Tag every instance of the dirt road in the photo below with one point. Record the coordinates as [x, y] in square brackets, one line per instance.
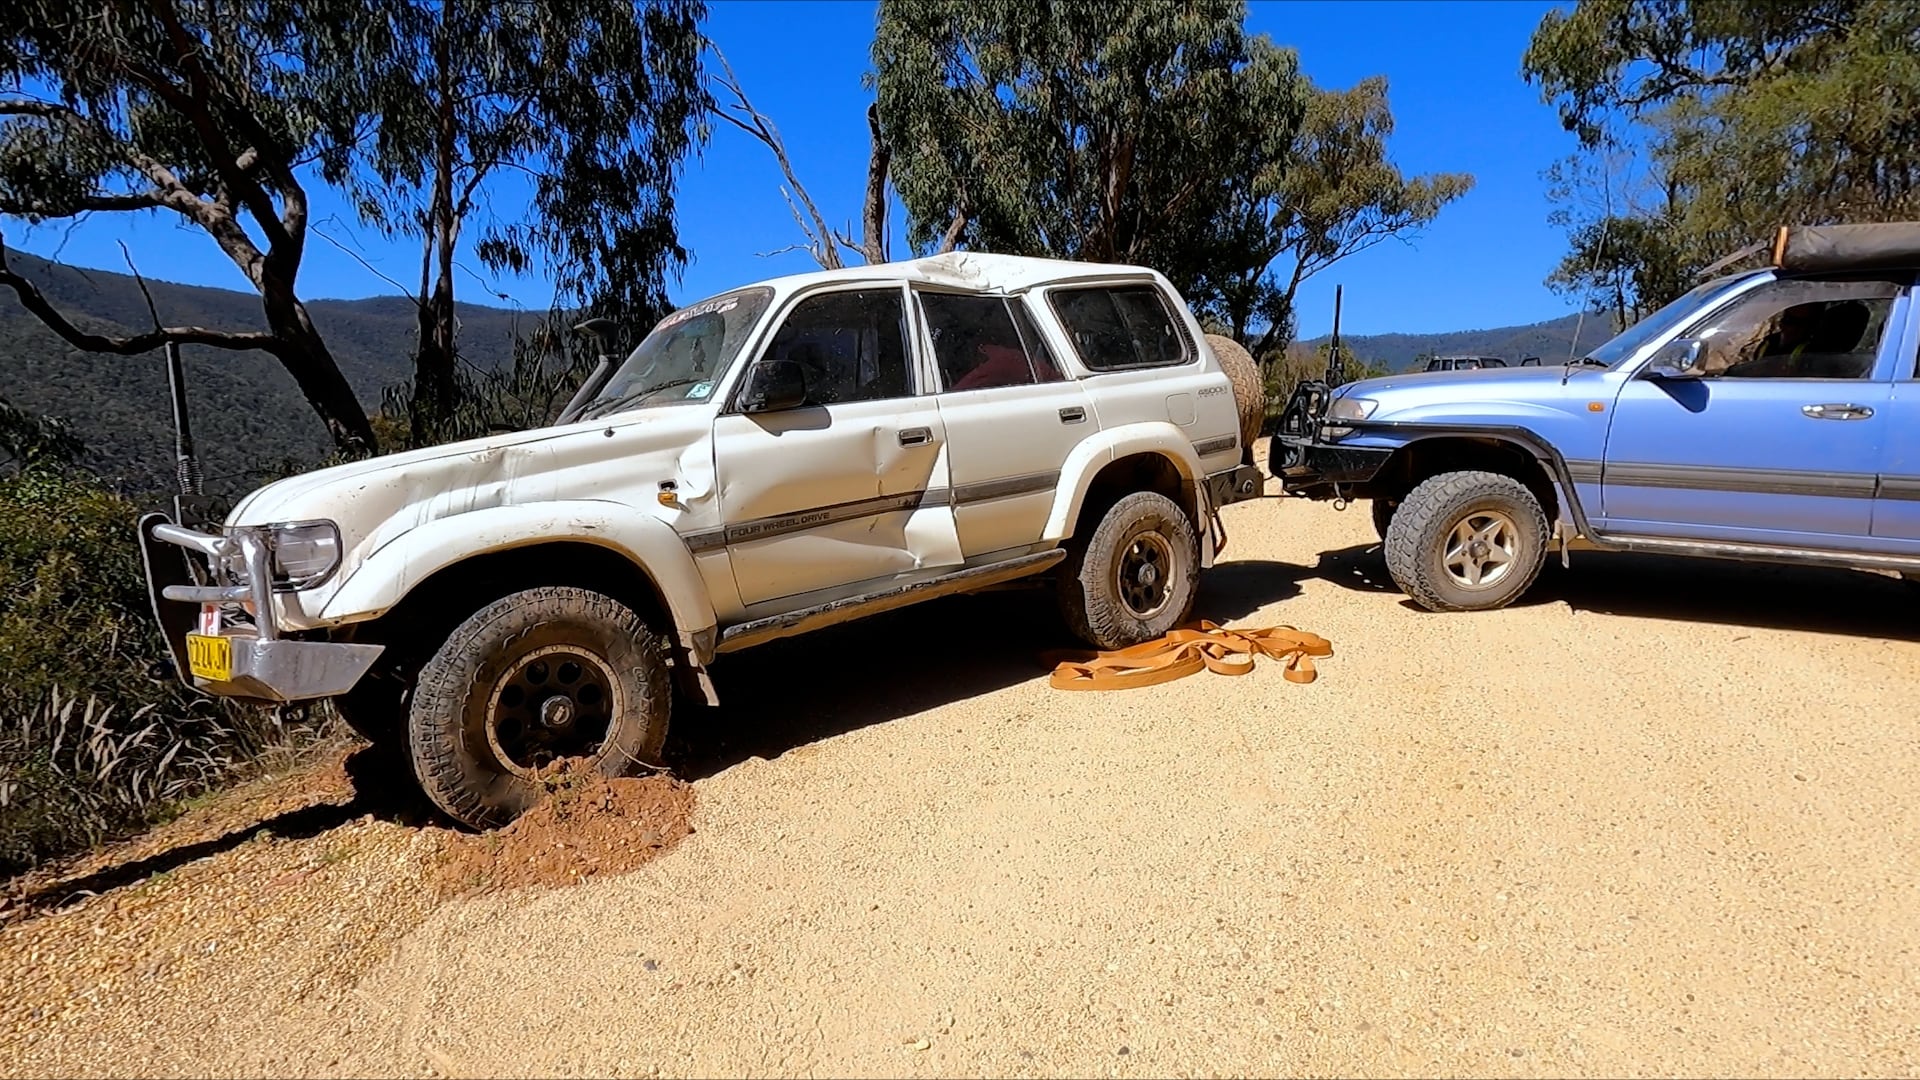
[1658, 819]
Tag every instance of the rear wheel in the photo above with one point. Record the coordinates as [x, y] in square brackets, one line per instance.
[1135, 576]
[535, 679]
[1467, 541]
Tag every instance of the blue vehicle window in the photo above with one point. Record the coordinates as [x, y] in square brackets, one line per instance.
[1628, 341]
[1797, 329]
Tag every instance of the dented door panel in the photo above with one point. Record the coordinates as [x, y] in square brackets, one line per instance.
[825, 496]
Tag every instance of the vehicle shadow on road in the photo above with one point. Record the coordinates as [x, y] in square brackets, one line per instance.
[1718, 591]
[376, 786]
[790, 693]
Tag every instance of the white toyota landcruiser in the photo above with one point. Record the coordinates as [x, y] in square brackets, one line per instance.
[766, 462]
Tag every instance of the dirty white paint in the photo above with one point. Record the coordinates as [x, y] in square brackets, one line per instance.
[758, 492]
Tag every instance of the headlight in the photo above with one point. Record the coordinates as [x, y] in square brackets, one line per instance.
[1351, 408]
[301, 554]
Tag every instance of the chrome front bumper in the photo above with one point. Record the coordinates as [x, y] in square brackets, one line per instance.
[266, 666]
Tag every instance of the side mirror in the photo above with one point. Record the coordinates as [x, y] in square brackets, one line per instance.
[774, 386]
[1678, 359]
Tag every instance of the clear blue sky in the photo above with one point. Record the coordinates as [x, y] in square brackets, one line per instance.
[1454, 83]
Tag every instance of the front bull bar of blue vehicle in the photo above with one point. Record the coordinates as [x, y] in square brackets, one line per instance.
[188, 571]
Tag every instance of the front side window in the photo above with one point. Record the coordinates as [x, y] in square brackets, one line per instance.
[975, 342]
[849, 345]
[1116, 327]
[685, 355]
[1794, 329]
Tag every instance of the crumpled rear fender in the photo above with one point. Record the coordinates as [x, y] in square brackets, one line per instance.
[389, 574]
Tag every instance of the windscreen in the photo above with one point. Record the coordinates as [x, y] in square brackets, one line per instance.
[685, 355]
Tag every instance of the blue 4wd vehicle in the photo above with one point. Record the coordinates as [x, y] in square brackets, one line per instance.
[1770, 415]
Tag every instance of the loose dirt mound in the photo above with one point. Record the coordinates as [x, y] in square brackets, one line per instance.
[590, 825]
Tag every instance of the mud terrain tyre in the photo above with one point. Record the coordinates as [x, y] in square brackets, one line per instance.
[1249, 391]
[1467, 541]
[1134, 577]
[528, 681]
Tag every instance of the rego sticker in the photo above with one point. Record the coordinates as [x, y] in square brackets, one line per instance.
[699, 389]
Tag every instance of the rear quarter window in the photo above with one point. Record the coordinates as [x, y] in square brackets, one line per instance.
[1118, 327]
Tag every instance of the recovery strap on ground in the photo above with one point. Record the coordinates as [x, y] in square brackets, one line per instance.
[1182, 652]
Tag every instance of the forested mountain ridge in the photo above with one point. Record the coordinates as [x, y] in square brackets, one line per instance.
[245, 409]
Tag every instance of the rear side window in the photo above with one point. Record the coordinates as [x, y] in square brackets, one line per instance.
[1121, 326]
[975, 342]
[1045, 367]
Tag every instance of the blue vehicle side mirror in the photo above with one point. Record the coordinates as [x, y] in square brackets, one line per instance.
[1677, 359]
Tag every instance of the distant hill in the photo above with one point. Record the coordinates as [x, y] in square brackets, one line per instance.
[245, 409]
[1549, 340]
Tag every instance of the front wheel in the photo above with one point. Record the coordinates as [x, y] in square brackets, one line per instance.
[1135, 577]
[531, 680]
[1467, 541]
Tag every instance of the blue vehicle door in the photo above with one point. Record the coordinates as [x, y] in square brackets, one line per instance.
[1896, 513]
[1774, 433]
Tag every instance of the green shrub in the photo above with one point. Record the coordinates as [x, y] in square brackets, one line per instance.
[92, 744]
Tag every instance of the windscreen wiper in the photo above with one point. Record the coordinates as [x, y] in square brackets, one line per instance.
[605, 407]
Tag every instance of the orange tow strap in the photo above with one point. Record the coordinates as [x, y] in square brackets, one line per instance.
[1187, 650]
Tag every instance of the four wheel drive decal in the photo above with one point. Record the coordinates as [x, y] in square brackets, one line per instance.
[761, 528]
[1215, 446]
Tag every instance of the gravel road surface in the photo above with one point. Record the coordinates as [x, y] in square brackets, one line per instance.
[1657, 819]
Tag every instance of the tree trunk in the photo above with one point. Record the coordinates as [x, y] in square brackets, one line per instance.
[303, 352]
[434, 388]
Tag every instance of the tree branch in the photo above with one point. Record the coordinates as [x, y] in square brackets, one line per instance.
[757, 125]
[954, 232]
[153, 310]
[37, 304]
[370, 268]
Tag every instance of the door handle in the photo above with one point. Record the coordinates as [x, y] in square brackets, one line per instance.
[1072, 414]
[914, 436]
[1837, 411]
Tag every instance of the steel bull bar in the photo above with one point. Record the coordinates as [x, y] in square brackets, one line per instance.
[189, 572]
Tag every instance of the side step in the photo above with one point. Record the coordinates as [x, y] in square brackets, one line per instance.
[1727, 549]
[760, 631]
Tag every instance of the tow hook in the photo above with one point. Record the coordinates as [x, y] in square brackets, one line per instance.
[1340, 501]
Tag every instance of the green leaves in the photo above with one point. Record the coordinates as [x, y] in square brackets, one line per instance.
[1754, 115]
[1151, 134]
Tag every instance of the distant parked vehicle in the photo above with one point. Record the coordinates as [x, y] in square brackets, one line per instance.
[1766, 415]
[1464, 363]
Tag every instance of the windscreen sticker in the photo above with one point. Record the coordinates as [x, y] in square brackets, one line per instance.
[699, 389]
[710, 307]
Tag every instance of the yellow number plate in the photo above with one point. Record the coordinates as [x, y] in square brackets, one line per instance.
[210, 657]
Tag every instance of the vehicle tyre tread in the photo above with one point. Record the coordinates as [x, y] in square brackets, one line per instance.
[447, 681]
[1087, 603]
[1438, 502]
